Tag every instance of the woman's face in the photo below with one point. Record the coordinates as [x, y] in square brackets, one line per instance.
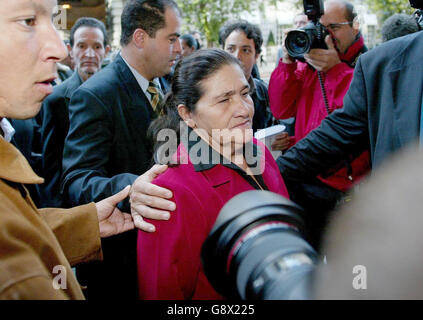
[225, 111]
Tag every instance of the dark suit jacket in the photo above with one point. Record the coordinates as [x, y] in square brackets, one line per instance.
[382, 107]
[27, 139]
[54, 128]
[107, 149]
[262, 114]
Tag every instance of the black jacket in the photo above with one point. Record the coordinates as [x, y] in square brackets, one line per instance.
[54, 128]
[106, 149]
[381, 109]
[28, 140]
[262, 114]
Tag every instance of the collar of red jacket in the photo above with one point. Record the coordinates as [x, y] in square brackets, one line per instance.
[354, 51]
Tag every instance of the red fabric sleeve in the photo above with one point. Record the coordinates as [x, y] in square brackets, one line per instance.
[285, 86]
[337, 82]
[169, 259]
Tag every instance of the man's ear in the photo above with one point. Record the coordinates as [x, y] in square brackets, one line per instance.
[356, 25]
[139, 38]
[257, 57]
[107, 49]
[69, 49]
[186, 115]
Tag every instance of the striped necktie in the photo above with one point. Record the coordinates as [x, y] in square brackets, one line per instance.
[156, 96]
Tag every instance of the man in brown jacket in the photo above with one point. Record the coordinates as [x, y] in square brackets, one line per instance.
[38, 247]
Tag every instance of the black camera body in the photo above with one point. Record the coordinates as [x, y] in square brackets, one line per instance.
[300, 41]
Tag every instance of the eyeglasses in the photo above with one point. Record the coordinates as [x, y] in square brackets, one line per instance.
[336, 26]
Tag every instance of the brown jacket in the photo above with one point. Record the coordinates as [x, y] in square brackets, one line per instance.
[33, 242]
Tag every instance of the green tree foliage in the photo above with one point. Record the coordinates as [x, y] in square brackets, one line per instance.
[271, 39]
[207, 16]
[382, 8]
[386, 8]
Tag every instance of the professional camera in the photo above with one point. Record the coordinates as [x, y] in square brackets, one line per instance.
[300, 41]
[257, 250]
[418, 4]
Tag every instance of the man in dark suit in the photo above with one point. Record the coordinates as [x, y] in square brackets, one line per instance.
[382, 108]
[107, 145]
[88, 47]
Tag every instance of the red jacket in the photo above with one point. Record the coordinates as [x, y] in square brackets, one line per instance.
[169, 264]
[294, 91]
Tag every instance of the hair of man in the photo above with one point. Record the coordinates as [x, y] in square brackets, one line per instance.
[88, 22]
[189, 40]
[250, 30]
[148, 15]
[398, 25]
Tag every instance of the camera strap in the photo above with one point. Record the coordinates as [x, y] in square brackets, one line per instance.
[320, 75]
[322, 87]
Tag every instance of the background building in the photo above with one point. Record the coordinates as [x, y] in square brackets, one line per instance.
[81, 8]
[273, 20]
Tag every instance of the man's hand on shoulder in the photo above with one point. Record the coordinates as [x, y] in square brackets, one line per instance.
[150, 201]
[324, 59]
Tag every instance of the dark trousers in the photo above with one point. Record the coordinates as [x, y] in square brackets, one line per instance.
[318, 201]
[116, 276]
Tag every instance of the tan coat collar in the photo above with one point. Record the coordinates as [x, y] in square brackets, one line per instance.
[14, 167]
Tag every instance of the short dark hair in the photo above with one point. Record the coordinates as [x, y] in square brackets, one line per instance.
[193, 33]
[148, 15]
[398, 25]
[88, 22]
[350, 13]
[190, 41]
[186, 88]
[251, 31]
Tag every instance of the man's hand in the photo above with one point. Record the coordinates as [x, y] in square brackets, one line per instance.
[281, 142]
[322, 59]
[111, 220]
[149, 201]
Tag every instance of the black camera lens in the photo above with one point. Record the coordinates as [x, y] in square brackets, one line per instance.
[298, 43]
[257, 249]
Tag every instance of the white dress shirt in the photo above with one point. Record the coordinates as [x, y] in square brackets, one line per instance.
[143, 82]
[7, 129]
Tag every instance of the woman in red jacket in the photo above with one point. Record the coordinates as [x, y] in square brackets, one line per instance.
[207, 122]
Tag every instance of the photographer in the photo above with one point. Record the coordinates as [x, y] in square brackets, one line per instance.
[295, 90]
